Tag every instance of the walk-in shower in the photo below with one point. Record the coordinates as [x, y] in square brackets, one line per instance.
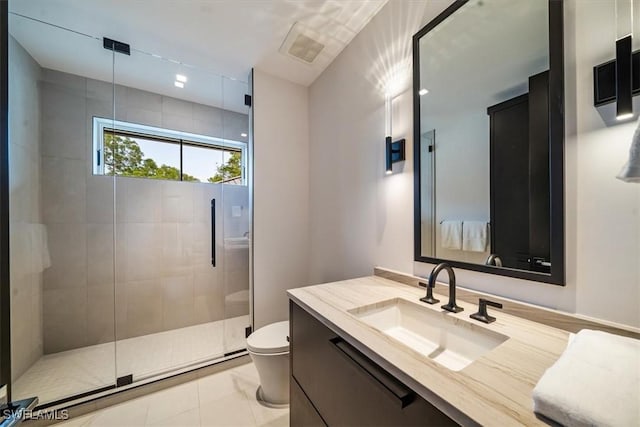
[130, 213]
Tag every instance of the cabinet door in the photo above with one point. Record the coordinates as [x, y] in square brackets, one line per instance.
[302, 413]
[509, 186]
[346, 387]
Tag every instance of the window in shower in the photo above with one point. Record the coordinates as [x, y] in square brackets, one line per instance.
[140, 151]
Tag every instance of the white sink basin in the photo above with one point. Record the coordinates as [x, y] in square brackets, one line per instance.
[450, 341]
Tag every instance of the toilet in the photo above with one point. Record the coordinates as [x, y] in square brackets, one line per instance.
[269, 350]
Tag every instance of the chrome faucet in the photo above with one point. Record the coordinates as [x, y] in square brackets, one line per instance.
[451, 305]
[494, 260]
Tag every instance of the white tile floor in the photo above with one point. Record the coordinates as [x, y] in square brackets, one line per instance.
[59, 375]
[227, 398]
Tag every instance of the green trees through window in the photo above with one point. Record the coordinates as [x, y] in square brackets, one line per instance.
[229, 171]
[123, 156]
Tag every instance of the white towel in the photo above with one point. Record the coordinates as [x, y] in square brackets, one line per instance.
[40, 257]
[451, 237]
[596, 382]
[474, 236]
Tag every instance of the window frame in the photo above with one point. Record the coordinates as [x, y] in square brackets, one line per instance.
[100, 125]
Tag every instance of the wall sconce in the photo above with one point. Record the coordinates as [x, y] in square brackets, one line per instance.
[613, 80]
[624, 58]
[624, 98]
[394, 150]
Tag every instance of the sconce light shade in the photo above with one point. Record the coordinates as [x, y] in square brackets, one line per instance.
[624, 100]
[631, 170]
[395, 152]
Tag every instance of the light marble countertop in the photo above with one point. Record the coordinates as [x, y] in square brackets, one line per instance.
[493, 390]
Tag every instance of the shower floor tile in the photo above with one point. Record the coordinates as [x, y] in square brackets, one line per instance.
[68, 373]
[227, 398]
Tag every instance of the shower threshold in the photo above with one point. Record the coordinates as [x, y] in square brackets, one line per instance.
[81, 372]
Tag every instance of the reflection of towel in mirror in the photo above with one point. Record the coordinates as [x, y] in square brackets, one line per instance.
[595, 382]
[474, 236]
[451, 235]
[39, 248]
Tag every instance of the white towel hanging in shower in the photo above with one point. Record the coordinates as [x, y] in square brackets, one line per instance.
[474, 236]
[451, 232]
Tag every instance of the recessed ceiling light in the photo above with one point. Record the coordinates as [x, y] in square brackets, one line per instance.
[244, 135]
[423, 91]
[181, 78]
[178, 84]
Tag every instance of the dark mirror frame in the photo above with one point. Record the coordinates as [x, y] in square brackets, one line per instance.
[556, 151]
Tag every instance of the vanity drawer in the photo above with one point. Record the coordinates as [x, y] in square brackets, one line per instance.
[302, 413]
[345, 386]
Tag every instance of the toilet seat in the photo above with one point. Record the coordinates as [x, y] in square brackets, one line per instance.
[270, 339]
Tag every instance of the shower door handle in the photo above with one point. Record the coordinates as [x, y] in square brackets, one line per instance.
[213, 232]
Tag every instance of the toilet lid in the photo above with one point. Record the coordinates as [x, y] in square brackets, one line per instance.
[270, 339]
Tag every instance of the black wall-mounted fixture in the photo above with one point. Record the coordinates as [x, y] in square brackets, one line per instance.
[116, 46]
[604, 80]
[618, 80]
[394, 152]
[624, 101]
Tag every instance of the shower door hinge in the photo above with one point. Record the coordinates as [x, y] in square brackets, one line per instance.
[247, 331]
[116, 46]
[247, 100]
[124, 380]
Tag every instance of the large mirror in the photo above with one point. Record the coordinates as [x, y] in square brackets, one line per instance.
[488, 138]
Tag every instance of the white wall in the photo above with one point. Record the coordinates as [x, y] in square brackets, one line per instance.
[605, 211]
[281, 194]
[361, 218]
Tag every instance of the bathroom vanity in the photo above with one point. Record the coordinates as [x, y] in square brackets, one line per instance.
[333, 381]
[348, 367]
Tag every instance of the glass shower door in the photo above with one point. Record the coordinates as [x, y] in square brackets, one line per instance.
[172, 217]
[237, 215]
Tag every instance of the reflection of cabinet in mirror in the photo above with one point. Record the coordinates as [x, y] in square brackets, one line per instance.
[519, 171]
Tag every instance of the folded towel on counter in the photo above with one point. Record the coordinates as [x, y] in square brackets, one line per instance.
[451, 235]
[595, 382]
[474, 236]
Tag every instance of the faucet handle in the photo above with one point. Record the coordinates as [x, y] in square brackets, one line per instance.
[429, 299]
[482, 314]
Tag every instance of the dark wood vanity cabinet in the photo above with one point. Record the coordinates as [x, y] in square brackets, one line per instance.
[334, 384]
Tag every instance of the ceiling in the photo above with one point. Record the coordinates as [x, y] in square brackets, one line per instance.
[483, 54]
[226, 37]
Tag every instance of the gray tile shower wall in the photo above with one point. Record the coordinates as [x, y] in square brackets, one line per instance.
[157, 251]
[27, 255]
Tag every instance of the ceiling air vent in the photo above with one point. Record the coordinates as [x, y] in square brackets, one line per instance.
[305, 48]
[300, 44]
